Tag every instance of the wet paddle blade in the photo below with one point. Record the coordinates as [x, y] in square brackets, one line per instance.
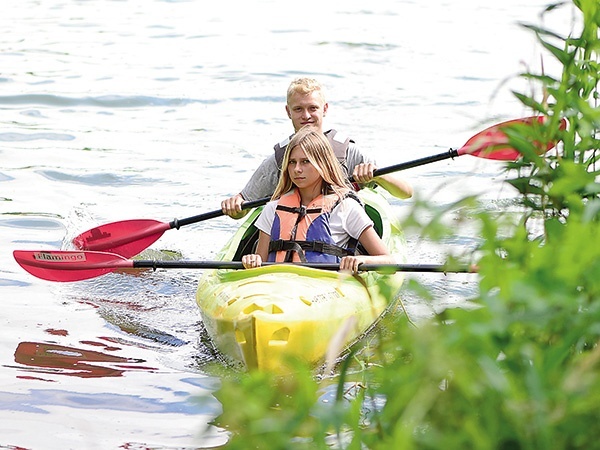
[493, 143]
[126, 238]
[56, 265]
[131, 237]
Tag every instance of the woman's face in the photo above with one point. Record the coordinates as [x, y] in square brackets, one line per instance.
[301, 171]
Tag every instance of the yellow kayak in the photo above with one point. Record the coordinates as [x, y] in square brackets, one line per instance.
[264, 317]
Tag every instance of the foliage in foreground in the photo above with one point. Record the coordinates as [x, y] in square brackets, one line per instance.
[521, 371]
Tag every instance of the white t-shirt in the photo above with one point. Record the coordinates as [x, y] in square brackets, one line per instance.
[348, 219]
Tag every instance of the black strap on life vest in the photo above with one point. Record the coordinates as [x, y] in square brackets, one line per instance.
[302, 212]
[300, 247]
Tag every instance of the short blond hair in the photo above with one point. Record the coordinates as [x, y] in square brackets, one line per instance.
[305, 86]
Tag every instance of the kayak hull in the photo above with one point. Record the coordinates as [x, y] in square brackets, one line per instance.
[264, 318]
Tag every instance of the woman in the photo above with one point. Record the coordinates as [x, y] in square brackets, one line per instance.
[313, 215]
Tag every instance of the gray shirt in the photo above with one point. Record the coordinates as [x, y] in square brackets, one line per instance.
[264, 180]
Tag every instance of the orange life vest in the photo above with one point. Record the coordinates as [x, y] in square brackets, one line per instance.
[302, 233]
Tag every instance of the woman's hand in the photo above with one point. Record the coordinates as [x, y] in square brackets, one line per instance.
[251, 261]
[351, 263]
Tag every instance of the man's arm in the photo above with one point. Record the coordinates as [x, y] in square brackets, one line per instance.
[395, 185]
[263, 180]
[261, 184]
[362, 166]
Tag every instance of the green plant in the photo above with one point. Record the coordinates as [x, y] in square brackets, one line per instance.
[519, 371]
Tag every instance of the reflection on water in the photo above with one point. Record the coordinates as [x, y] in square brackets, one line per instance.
[51, 358]
[43, 400]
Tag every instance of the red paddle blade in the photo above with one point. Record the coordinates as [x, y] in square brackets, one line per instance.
[126, 238]
[57, 265]
[492, 143]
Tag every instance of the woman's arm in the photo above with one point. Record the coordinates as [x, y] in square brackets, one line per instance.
[262, 252]
[378, 253]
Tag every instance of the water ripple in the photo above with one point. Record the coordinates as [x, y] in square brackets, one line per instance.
[31, 223]
[95, 179]
[105, 101]
[10, 282]
[20, 137]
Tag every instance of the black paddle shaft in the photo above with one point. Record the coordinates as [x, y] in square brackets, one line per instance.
[148, 264]
[176, 223]
[452, 153]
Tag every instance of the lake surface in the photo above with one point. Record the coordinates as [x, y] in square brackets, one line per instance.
[159, 109]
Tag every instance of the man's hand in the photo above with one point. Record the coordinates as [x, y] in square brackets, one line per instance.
[363, 173]
[232, 207]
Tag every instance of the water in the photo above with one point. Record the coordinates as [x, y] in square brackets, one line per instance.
[159, 109]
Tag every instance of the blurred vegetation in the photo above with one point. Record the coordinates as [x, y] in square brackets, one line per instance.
[521, 370]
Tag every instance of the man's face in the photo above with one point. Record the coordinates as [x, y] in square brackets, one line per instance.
[306, 109]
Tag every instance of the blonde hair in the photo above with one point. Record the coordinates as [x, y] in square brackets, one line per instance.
[305, 86]
[318, 151]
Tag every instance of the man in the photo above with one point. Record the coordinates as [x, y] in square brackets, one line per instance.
[306, 105]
